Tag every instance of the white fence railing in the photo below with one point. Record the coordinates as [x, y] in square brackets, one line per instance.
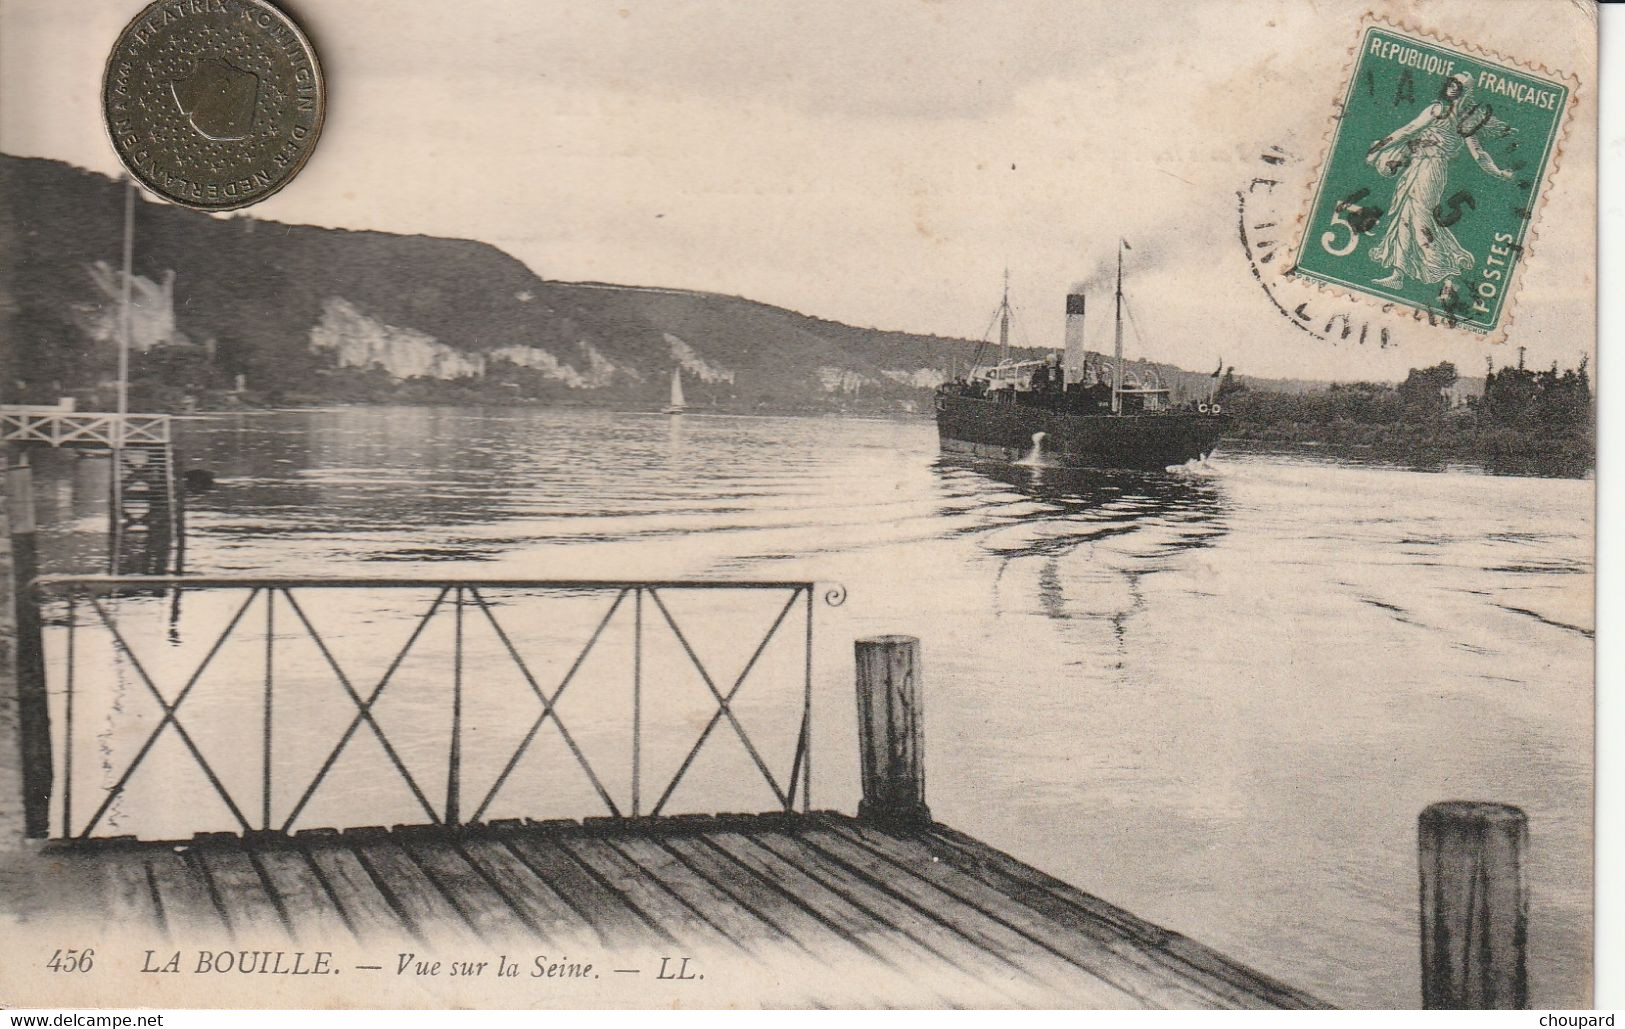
[88, 428]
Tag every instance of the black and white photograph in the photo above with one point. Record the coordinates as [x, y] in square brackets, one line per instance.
[704, 504]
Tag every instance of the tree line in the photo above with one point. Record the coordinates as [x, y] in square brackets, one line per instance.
[1523, 422]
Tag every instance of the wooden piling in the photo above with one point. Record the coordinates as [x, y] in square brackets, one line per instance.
[889, 730]
[33, 712]
[1474, 905]
[11, 793]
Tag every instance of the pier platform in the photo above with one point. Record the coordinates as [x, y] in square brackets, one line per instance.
[923, 900]
[796, 907]
[146, 520]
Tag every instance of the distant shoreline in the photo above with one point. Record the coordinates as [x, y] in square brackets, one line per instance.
[1413, 454]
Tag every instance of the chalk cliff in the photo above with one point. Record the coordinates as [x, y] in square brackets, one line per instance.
[315, 314]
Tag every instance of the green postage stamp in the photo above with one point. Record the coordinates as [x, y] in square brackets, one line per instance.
[1436, 166]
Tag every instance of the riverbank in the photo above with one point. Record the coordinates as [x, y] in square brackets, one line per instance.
[1522, 422]
[1570, 456]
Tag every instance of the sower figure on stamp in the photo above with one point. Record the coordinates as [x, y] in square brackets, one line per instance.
[1418, 241]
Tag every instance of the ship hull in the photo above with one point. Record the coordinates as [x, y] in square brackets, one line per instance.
[1004, 431]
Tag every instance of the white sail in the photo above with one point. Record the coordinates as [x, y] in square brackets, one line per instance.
[677, 401]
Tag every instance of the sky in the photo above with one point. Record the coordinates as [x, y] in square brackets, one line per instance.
[877, 164]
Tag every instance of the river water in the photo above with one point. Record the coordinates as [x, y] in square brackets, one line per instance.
[1218, 698]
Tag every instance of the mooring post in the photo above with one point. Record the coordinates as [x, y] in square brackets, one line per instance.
[1474, 905]
[12, 824]
[28, 663]
[889, 730]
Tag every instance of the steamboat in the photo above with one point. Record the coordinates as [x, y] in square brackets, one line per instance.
[1076, 412]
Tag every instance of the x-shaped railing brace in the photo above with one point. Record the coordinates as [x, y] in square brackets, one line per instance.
[549, 705]
[169, 717]
[364, 710]
[723, 703]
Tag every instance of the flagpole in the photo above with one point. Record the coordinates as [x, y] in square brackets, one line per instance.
[117, 499]
[124, 310]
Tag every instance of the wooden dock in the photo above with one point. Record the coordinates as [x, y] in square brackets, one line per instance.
[894, 907]
[907, 910]
[145, 514]
[924, 901]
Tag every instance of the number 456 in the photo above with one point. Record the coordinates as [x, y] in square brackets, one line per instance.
[72, 960]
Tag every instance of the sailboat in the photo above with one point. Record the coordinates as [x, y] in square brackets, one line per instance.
[678, 405]
[1072, 412]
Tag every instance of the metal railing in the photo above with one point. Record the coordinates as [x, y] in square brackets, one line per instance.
[282, 618]
[85, 429]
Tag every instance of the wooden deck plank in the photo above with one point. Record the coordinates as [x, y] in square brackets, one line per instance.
[997, 973]
[183, 894]
[849, 921]
[1191, 960]
[127, 895]
[482, 903]
[654, 901]
[935, 916]
[1068, 979]
[839, 912]
[1097, 952]
[617, 922]
[412, 893]
[736, 921]
[896, 914]
[1100, 948]
[551, 915]
[250, 907]
[763, 898]
[369, 912]
[813, 935]
[313, 914]
[105, 882]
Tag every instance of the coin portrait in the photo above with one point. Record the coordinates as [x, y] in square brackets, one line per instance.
[213, 104]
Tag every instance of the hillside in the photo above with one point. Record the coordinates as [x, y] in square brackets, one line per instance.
[296, 313]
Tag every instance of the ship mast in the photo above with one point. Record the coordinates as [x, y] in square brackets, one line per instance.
[1117, 353]
[1004, 321]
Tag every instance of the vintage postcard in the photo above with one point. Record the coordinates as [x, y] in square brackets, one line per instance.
[689, 504]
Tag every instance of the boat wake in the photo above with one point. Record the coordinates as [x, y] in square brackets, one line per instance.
[1035, 457]
[1195, 468]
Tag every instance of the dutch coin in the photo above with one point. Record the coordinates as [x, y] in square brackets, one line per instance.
[213, 104]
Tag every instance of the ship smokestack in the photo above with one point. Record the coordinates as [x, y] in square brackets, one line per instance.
[1074, 359]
